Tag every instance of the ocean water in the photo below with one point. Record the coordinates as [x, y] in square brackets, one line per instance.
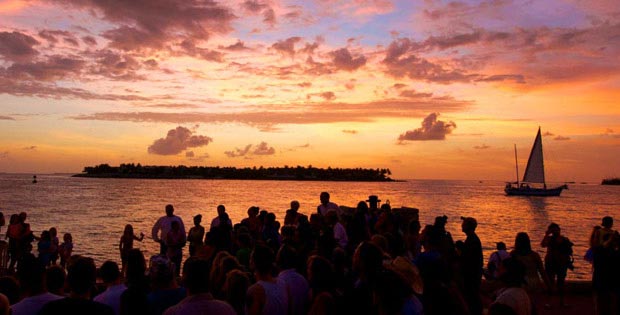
[95, 211]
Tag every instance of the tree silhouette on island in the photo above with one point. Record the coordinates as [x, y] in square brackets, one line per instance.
[132, 170]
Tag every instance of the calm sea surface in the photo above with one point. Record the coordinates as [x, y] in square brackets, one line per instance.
[95, 211]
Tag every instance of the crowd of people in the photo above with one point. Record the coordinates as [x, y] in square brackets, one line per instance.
[367, 260]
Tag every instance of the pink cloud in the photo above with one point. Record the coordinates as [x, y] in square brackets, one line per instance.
[287, 46]
[238, 152]
[207, 54]
[264, 149]
[18, 47]
[343, 60]
[176, 141]
[238, 46]
[150, 24]
[53, 68]
[432, 129]
[260, 149]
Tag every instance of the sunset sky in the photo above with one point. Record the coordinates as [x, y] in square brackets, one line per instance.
[429, 89]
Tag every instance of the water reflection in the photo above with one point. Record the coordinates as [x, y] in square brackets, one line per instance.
[96, 210]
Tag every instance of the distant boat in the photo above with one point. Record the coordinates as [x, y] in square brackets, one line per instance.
[611, 181]
[34, 179]
[534, 174]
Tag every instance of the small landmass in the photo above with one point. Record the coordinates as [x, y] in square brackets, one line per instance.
[251, 173]
[611, 181]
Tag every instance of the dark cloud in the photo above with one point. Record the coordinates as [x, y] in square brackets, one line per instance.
[432, 129]
[199, 158]
[260, 149]
[305, 84]
[206, 54]
[6, 118]
[238, 46]
[548, 134]
[401, 61]
[116, 66]
[517, 78]
[269, 17]
[350, 131]
[176, 141]
[481, 147]
[412, 94]
[30, 148]
[343, 60]
[89, 40]
[4, 154]
[156, 22]
[53, 68]
[264, 149]
[238, 152]
[254, 7]
[45, 90]
[287, 46]
[52, 37]
[561, 138]
[328, 96]
[189, 154]
[18, 47]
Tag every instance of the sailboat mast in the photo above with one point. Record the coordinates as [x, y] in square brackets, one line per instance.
[516, 164]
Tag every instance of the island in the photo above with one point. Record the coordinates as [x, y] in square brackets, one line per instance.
[611, 181]
[132, 170]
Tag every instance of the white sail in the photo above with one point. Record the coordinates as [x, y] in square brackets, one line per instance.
[535, 170]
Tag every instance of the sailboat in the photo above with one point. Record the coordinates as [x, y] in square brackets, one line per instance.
[534, 174]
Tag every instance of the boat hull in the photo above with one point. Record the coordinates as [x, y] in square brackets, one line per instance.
[529, 191]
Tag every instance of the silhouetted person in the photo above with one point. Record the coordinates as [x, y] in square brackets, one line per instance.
[266, 296]
[163, 226]
[292, 214]
[220, 218]
[326, 205]
[30, 273]
[195, 235]
[198, 300]
[175, 240]
[296, 285]
[235, 287]
[111, 276]
[471, 265]
[534, 268]
[253, 223]
[496, 259]
[55, 277]
[165, 291]
[81, 279]
[5, 307]
[125, 244]
[511, 274]
[133, 300]
[322, 287]
[558, 258]
[373, 202]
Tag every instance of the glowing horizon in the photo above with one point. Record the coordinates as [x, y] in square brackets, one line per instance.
[429, 89]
